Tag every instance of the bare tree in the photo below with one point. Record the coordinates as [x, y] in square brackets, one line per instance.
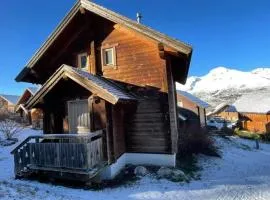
[10, 128]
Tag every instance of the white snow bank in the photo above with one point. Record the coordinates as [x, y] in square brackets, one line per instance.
[242, 173]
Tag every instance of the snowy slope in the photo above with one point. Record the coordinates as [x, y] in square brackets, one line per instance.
[242, 173]
[222, 78]
[224, 85]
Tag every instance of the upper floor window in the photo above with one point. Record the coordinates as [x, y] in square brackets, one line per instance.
[83, 60]
[179, 103]
[108, 57]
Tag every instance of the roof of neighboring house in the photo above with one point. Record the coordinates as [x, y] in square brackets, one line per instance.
[194, 99]
[219, 108]
[33, 90]
[114, 17]
[100, 86]
[10, 98]
[257, 102]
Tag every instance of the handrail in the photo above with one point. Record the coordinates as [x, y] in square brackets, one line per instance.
[57, 136]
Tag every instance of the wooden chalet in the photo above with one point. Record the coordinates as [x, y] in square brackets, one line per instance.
[225, 111]
[108, 96]
[192, 110]
[8, 102]
[254, 112]
[33, 116]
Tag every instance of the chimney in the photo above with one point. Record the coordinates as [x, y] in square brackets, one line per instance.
[139, 17]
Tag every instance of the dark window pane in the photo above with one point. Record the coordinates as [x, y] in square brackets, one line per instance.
[83, 61]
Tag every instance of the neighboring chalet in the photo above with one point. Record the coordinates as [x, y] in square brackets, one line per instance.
[225, 111]
[108, 96]
[192, 110]
[8, 102]
[33, 116]
[254, 112]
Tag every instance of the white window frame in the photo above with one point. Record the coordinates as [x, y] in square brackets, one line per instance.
[103, 57]
[79, 60]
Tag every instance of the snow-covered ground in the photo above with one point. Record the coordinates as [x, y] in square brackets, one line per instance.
[242, 173]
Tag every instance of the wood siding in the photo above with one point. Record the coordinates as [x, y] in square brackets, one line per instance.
[137, 60]
[259, 123]
[231, 116]
[148, 128]
[118, 131]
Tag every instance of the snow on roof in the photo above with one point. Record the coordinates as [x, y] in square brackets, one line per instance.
[105, 84]
[256, 102]
[33, 90]
[194, 99]
[10, 98]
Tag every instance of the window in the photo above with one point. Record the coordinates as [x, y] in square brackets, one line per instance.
[83, 60]
[180, 103]
[108, 57]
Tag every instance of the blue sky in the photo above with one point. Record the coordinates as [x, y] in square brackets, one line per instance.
[232, 33]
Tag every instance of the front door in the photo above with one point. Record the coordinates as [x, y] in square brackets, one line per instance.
[78, 115]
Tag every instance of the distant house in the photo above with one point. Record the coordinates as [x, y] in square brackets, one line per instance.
[191, 108]
[254, 112]
[32, 116]
[8, 102]
[225, 111]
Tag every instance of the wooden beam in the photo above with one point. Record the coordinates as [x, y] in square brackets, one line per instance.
[92, 60]
[109, 134]
[161, 50]
[82, 10]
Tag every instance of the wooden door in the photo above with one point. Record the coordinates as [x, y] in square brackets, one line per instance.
[78, 115]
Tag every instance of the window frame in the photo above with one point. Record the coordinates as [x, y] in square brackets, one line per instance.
[103, 57]
[79, 61]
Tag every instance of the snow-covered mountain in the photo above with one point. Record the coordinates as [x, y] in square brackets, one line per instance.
[226, 85]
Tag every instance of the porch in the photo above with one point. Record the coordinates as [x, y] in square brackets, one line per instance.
[81, 156]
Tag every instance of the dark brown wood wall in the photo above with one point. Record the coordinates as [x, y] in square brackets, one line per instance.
[147, 129]
[118, 131]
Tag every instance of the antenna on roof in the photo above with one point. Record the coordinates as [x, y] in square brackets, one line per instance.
[139, 17]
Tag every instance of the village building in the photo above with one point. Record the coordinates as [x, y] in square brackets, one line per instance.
[33, 116]
[8, 103]
[192, 110]
[254, 112]
[108, 96]
[225, 111]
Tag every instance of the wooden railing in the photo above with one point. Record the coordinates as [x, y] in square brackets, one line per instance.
[60, 152]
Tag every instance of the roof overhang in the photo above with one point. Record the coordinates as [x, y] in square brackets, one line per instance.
[114, 17]
[65, 72]
[21, 106]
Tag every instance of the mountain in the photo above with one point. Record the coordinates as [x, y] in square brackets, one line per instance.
[224, 85]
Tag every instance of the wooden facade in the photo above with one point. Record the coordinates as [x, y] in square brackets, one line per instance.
[33, 116]
[192, 108]
[255, 122]
[132, 99]
[8, 103]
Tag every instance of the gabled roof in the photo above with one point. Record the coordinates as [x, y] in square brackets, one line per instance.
[12, 99]
[100, 86]
[194, 99]
[114, 17]
[256, 102]
[32, 90]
